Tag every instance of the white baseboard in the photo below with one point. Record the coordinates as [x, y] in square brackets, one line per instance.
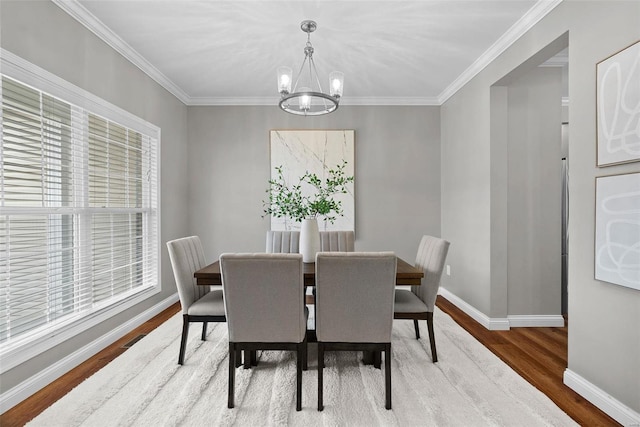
[17, 394]
[493, 324]
[536, 321]
[610, 406]
[503, 323]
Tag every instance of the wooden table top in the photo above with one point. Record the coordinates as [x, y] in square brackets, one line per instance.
[406, 274]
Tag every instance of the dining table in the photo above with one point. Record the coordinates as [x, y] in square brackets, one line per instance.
[406, 274]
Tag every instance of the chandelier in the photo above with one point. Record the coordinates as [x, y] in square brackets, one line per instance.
[307, 97]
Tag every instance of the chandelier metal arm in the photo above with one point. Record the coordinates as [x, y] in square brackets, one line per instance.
[313, 63]
[295, 85]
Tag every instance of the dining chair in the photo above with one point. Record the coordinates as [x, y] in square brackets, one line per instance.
[264, 305]
[283, 242]
[337, 241]
[354, 307]
[199, 303]
[419, 302]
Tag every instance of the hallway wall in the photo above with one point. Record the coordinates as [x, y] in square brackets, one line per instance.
[604, 337]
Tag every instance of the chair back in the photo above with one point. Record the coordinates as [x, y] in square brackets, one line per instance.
[187, 257]
[354, 296]
[264, 297]
[431, 257]
[283, 242]
[337, 241]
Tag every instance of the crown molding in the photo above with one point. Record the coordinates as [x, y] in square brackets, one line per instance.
[273, 101]
[389, 100]
[524, 24]
[232, 100]
[86, 18]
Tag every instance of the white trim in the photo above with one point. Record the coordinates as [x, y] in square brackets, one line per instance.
[503, 323]
[273, 101]
[536, 321]
[93, 24]
[389, 100]
[607, 403]
[493, 324]
[36, 382]
[524, 24]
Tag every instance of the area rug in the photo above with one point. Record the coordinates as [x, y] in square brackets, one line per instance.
[469, 386]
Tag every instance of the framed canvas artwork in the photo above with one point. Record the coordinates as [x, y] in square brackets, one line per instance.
[617, 243]
[314, 151]
[618, 107]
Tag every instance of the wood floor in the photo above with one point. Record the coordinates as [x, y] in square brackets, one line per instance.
[538, 354]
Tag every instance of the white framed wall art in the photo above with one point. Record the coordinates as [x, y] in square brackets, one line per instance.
[316, 151]
[618, 107]
[617, 242]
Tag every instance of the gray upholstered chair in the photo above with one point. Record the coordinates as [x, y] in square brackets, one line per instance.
[337, 241]
[354, 307]
[264, 304]
[199, 303]
[419, 302]
[330, 241]
[287, 242]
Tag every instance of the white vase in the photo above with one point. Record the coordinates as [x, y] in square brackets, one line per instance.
[309, 240]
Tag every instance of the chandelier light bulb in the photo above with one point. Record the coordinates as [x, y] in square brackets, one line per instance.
[336, 84]
[285, 76]
[305, 100]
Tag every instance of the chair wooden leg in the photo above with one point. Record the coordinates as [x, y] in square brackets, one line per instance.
[387, 375]
[183, 341]
[417, 328]
[299, 362]
[432, 338]
[204, 331]
[232, 373]
[305, 355]
[320, 366]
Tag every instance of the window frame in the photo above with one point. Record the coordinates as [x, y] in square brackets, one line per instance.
[32, 344]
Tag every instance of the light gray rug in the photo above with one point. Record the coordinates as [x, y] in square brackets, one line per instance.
[469, 386]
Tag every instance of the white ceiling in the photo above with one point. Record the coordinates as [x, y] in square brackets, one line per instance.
[392, 52]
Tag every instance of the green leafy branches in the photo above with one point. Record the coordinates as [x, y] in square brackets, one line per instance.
[295, 202]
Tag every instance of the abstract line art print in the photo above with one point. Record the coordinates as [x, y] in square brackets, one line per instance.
[618, 107]
[617, 248]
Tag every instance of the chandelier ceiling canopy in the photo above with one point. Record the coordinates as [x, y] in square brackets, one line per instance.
[307, 97]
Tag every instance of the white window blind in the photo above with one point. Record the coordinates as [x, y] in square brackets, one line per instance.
[78, 213]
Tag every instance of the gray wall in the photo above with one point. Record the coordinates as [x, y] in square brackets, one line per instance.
[397, 174]
[534, 193]
[604, 337]
[43, 34]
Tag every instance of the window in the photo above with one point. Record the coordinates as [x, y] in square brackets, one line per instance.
[78, 213]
